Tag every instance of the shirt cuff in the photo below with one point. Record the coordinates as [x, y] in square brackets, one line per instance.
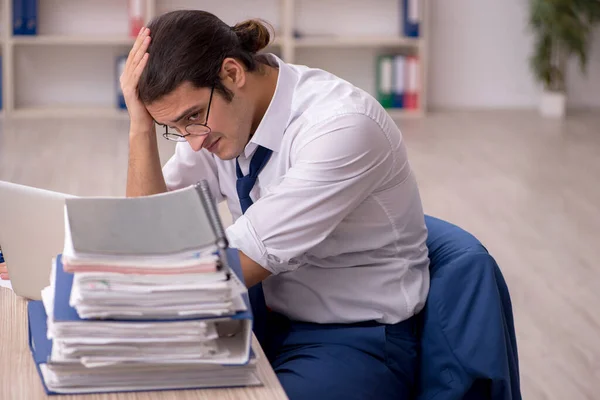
[242, 236]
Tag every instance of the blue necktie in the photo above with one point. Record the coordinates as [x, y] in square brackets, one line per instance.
[245, 184]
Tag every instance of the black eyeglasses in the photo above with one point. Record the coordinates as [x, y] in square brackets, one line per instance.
[193, 129]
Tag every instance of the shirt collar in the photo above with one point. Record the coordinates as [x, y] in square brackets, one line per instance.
[271, 128]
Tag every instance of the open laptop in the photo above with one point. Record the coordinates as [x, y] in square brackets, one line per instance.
[32, 230]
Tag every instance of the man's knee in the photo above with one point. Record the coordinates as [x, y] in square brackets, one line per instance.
[337, 372]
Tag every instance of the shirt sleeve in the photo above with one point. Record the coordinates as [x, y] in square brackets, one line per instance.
[340, 164]
[187, 167]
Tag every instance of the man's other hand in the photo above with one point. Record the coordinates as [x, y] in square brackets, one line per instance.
[3, 272]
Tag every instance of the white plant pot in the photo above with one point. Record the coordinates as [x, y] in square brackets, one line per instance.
[553, 104]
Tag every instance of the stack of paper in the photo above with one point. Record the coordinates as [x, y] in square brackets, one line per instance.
[129, 308]
[125, 290]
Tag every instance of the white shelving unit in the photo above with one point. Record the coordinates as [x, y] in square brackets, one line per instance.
[80, 51]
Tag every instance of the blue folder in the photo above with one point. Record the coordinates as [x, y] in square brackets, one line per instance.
[119, 68]
[411, 17]
[30, 17]
[41, 348]
[18, 17]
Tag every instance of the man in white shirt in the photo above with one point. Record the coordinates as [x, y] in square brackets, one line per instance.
[328, 218]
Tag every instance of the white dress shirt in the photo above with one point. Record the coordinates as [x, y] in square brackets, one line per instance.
[337, 217]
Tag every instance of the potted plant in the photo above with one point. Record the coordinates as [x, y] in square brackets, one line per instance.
[562, 28]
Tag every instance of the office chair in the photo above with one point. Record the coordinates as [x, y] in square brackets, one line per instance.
[468, 344]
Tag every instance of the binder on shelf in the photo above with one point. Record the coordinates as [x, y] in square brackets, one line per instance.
[136, 16]
[31, 17]
[413, 83]
[385, 80]
[411, 17]
[18, 17]
[120, 68]
[399, 81]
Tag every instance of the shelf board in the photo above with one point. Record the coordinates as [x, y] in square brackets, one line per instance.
[72, 40]
[356, 41]
[400, 113]
[69, 112]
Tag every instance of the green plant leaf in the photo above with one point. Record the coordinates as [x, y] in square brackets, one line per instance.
[562, 28]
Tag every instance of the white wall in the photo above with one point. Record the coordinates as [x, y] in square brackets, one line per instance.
[479, 58]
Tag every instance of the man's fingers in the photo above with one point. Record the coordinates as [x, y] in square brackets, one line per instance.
[136, 45]
[140, 53]
[130, 77]
[138, 42]
[137, 72]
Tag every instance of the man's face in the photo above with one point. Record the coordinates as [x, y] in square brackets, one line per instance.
[230, 122]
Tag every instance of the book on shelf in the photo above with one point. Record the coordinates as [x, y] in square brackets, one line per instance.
[31, 17]
[119, 69]
[146, 295]
[398, 81]
[411, 17]
[413, 87]
[18, 17]
[136, 11]
[385, 80]
[25, 17]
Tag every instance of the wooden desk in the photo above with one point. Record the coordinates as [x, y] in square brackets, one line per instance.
[19, 378]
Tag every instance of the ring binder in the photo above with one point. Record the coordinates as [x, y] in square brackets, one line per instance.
[211, 208]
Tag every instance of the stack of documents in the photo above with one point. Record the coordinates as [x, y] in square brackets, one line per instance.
[128, 290]
[135, 305]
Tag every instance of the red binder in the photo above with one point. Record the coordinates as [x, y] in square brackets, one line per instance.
[136, 16]
[413, 83]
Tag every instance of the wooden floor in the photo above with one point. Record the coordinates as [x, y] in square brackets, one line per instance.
[528, 188]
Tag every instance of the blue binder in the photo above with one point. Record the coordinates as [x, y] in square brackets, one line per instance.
[399, 81]
[31, 17]
[119, 68]
[18, 17]
[411, 17]
[41, 346]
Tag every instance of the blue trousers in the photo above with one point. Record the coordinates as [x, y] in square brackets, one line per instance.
[338, 361]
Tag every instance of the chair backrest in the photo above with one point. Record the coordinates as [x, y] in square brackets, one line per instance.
[468, 345]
